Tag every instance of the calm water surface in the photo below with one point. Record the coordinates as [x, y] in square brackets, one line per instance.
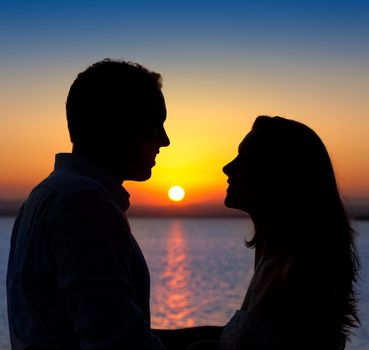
[200, 270]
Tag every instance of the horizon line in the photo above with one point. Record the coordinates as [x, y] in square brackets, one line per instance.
[360, 210]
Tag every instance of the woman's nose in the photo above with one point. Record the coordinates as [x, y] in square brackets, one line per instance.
[227, 168]
[232, 167]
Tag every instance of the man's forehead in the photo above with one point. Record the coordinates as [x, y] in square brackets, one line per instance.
[139, 99]
[148, 112]
[155, 107]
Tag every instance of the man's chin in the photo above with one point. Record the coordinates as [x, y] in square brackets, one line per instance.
[140, 176]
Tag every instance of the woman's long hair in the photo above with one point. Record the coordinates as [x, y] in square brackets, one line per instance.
[298, 189]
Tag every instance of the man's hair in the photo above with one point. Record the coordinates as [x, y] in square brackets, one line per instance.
[105, 92]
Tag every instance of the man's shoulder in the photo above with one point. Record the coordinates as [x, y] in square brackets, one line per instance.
[59, 188]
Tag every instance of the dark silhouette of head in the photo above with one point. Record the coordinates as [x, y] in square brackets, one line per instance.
[115, 113]
[283, 178]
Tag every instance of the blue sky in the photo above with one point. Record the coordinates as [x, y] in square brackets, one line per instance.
[46, 28]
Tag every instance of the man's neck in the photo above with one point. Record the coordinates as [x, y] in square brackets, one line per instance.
[100, 161]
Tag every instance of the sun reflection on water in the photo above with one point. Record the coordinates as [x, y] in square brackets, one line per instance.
[174, 293]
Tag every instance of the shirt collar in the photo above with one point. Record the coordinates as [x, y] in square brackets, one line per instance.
[78, 164]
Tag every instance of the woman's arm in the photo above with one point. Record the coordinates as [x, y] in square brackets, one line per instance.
[268, 284]
[180, 339]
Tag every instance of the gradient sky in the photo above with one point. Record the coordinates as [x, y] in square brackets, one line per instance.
[223, 63]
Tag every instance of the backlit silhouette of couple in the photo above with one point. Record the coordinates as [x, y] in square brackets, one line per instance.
[77, 278]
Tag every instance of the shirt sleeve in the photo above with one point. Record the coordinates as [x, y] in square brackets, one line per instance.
[91, 245]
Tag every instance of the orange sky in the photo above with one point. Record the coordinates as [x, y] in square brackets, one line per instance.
[208, 115]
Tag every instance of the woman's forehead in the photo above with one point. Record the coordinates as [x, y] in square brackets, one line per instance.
[247, 142]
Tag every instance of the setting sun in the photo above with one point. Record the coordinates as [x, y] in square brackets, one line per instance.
[176, 193]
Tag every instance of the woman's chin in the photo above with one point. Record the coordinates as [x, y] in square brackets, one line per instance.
[230, 202]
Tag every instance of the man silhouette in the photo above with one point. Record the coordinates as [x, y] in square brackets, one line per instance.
[76, 276]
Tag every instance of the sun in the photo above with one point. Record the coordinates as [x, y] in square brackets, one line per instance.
[176, 193]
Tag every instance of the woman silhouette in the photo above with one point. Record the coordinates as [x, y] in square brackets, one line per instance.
[302, 293]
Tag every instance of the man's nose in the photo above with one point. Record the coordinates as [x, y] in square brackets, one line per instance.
[164, 139]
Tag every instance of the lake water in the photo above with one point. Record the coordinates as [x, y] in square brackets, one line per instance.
[199, 269]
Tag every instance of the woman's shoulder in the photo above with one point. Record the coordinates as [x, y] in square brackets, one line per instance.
[253, 330]
[246, 329]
